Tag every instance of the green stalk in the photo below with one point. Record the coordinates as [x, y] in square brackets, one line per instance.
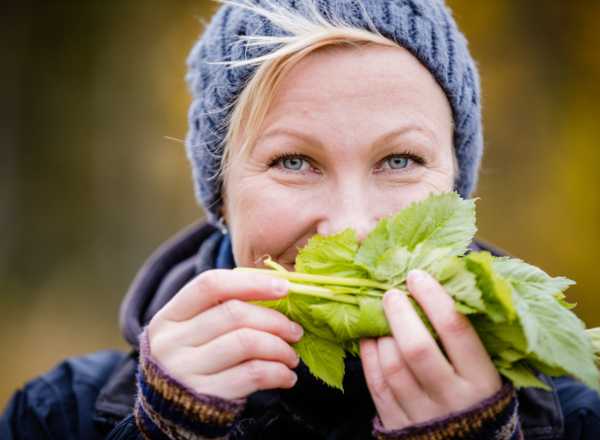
[273, 265]
[321, 292]
[319, 279]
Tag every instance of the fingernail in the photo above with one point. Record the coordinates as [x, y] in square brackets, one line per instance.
[392, 296]
[294, 378]
[415, 276]
[297, 330]
[280, 285]
[295, 356]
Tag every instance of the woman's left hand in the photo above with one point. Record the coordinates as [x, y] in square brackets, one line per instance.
[409, 378]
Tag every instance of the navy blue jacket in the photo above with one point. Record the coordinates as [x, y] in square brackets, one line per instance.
[91, 397]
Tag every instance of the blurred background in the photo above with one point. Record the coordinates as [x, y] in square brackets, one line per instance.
[90, 186]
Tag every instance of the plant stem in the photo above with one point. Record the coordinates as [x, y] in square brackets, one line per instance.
[319, 279]
[273, 265]
[321, 292]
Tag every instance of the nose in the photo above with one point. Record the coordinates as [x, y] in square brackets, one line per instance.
[348, 206]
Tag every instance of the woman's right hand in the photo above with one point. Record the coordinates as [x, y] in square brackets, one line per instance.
[212, 340]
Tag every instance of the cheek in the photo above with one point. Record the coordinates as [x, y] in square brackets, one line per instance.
[266, 218]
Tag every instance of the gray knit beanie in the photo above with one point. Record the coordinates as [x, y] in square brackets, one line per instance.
[424, 27]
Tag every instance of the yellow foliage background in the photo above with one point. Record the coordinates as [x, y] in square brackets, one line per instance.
[90, 186]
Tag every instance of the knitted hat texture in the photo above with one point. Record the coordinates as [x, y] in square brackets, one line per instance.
[423, 27]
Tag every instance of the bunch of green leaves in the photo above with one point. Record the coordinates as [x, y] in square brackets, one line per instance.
[517, 309]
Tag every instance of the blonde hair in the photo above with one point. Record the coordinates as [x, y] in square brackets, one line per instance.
[306, 33]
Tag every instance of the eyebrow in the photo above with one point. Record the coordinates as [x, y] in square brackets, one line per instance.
[388, 137]
[309, 139]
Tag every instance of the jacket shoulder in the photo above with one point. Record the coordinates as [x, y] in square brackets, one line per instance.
[60, 403]
[581, 409]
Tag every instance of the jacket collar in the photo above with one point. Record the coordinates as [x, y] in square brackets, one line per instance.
[168, 269]
[195, 250]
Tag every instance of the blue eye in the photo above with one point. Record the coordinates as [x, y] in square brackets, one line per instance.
[293, 163]
[397, 163]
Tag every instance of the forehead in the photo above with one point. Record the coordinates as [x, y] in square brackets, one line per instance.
[368, 90]
[351, 71]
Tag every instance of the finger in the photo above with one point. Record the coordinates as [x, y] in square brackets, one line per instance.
[239, 346]
[244, 379]
[417, 346]
[390, 411]
[233, 315]
[460, 340]
[404, 385]
[216, 286]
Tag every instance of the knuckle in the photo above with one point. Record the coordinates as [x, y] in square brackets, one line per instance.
[247, 340]
[155, 325]
[379, 385]
[416, 353]
[454, 326]
[158, 347]
[207, 281]
[232, 310]
[392, 367]
[256, 371]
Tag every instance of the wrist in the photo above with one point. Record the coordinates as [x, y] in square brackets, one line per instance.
[167, 406]
[494, 418]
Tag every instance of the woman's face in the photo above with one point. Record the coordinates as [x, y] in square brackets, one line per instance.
[352, 136]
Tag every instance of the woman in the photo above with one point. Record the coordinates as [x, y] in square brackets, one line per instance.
[308, 118]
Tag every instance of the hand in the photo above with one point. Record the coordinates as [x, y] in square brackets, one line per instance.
[210, 339]
[409, 378]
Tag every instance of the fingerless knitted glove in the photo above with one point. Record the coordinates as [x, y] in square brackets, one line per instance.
[167, 409]
[495, 418]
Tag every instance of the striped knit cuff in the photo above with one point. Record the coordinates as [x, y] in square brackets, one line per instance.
[167, 409]
[495, 418]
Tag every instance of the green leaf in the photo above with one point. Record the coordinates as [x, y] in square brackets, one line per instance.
[461, 284]
[375, 245]
[511, 355]
[544, 368]
[499, 337]
[324, 359]
[594, 334]
[341, 318]
[554, 335]
[331, 256]
[393, 268]
[517, 271]
[465, 309]
[518, 310]
[297, 308]
[371, 321]
[496, 292]
[352, 347]
[394, 265]
[566, 305]
[521, 375]
[317, 348]
[443, 220]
